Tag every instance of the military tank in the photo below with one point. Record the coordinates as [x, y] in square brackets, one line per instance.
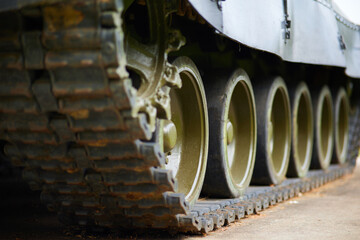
[161, 114]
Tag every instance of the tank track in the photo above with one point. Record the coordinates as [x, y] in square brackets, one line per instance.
[65, 111]
[66, 114]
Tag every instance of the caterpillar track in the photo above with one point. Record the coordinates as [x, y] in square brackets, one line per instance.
[76, 117]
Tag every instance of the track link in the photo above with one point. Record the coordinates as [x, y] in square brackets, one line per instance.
[65, 112]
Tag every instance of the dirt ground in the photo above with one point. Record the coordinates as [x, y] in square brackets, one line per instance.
[330, 212]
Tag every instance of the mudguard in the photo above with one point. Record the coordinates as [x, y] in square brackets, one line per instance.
[309, 31]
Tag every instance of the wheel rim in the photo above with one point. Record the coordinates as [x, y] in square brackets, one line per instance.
[278, 130]
[240, 132]
[342, 125]
[186, 147]
[303, 129]
[324, 127]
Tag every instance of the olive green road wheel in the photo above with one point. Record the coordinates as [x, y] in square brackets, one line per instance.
[232, 144]
[302, 130]
[184, 138]
[324, 134]
[341, 126]
[274, 131]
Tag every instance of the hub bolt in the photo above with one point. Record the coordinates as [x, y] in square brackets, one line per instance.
[229, 132]
[170, 135]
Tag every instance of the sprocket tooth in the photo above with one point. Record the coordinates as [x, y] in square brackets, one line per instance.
[161, 100]
[162, 103]
[176, 40]
[172, 77]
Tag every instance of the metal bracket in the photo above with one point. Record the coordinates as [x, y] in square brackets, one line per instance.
[341, 42]
[219, 3]
[286, 24]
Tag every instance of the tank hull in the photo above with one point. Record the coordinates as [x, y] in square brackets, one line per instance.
[313, 27]
[88, 88]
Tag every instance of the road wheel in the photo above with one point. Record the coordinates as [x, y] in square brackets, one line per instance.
[324, 129]
[274, 131]
[232, 120]
[302, 131]
[184, 138]
[341, 126]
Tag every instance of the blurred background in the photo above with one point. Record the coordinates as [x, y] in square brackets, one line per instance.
[348, 8]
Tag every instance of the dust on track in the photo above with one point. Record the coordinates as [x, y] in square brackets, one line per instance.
[24, 217]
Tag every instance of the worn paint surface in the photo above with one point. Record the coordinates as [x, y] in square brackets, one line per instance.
[62, 17]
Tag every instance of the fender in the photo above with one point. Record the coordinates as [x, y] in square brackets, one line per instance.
[309, 31]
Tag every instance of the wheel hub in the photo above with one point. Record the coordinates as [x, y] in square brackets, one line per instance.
[184, 138]
[229, 132]
[170, 135]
